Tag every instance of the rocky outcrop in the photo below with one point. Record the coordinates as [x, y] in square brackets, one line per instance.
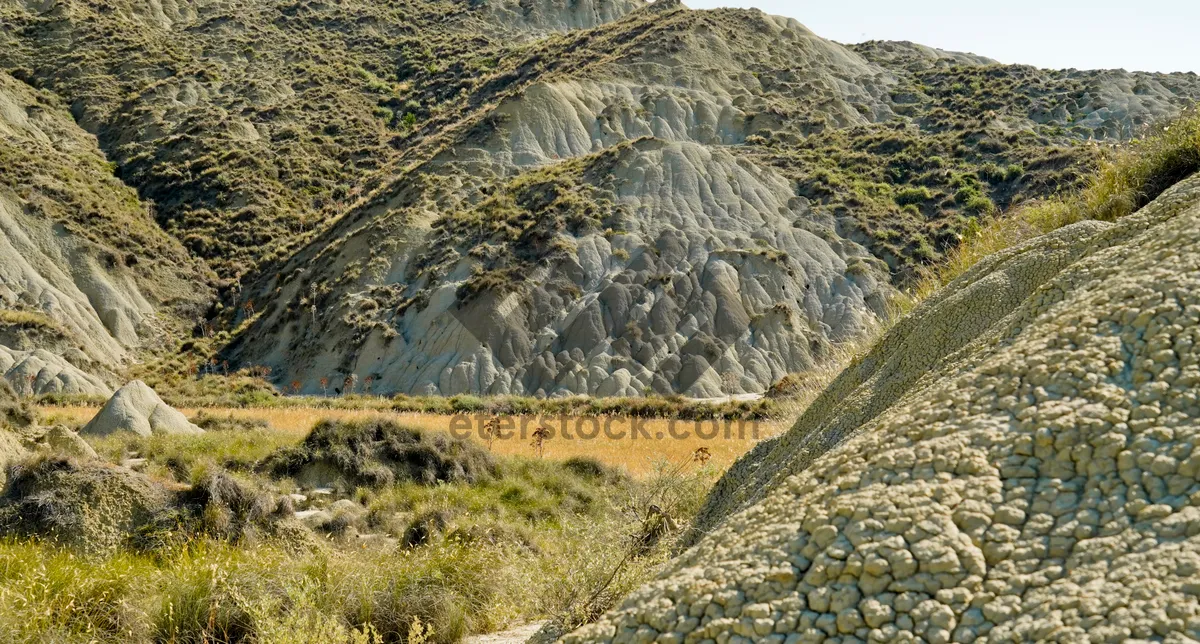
[59, 439]
[540, 16]
[918, 345]
[40, 372]
[910, 56]
[721, 282]
[1021, 468]
[136, 408]
[20, 431]
[705, 275]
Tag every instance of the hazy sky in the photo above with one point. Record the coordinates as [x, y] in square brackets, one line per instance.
[1144, 35]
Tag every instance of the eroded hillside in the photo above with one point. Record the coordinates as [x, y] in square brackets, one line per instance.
[87, 278]
[604, 197]
[249, 123]
[673, 203]
[1014, 462]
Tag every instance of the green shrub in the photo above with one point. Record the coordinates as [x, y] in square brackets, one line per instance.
[1145, 169]
[30, 320]
[966, 194]
[913, 196]
[14, 412]
[979, 205]
[1128, 180]
[992, 173]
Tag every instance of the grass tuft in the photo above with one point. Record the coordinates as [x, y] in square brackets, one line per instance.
[379, 452]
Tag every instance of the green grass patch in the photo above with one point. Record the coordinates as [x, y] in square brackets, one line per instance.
[30, 320]
[534, 539]
[1131, 177]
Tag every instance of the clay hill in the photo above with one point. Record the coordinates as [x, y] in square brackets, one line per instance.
[1015, 461]
[606, 197]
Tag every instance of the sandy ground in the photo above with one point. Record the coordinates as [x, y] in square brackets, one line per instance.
[516, 635]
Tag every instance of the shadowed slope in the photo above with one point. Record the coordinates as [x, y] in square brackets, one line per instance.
[86, 276]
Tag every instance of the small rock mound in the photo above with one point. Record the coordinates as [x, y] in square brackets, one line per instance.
[85, 505]
[95, 507]
[377, 453]
[61, 440]
[20, 419]
[136, 408]
[1027, 476]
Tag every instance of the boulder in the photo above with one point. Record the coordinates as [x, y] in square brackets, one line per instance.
[136, 408]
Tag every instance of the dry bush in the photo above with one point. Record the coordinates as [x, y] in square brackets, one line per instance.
[380, 452]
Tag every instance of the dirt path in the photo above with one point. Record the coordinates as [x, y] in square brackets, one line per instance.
[516, 635]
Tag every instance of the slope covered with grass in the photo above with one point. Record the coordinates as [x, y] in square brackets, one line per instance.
[87, 278]
[250, 123]
[673, 203]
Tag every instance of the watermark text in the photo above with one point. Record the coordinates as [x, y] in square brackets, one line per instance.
[612, 428]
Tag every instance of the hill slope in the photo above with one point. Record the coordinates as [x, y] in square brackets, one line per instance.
[248, 123]
[673, 202]
[1013, 462]
[87, 278]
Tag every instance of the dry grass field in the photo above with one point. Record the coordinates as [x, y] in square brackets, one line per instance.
[635, 444]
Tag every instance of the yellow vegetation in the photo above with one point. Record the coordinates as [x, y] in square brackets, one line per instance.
[638, 456]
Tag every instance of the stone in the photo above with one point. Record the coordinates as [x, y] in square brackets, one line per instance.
[136, 408]
[949, 489]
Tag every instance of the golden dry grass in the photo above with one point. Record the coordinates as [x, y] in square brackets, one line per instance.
[655, 440]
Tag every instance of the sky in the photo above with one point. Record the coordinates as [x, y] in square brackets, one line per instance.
[1136, 35]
